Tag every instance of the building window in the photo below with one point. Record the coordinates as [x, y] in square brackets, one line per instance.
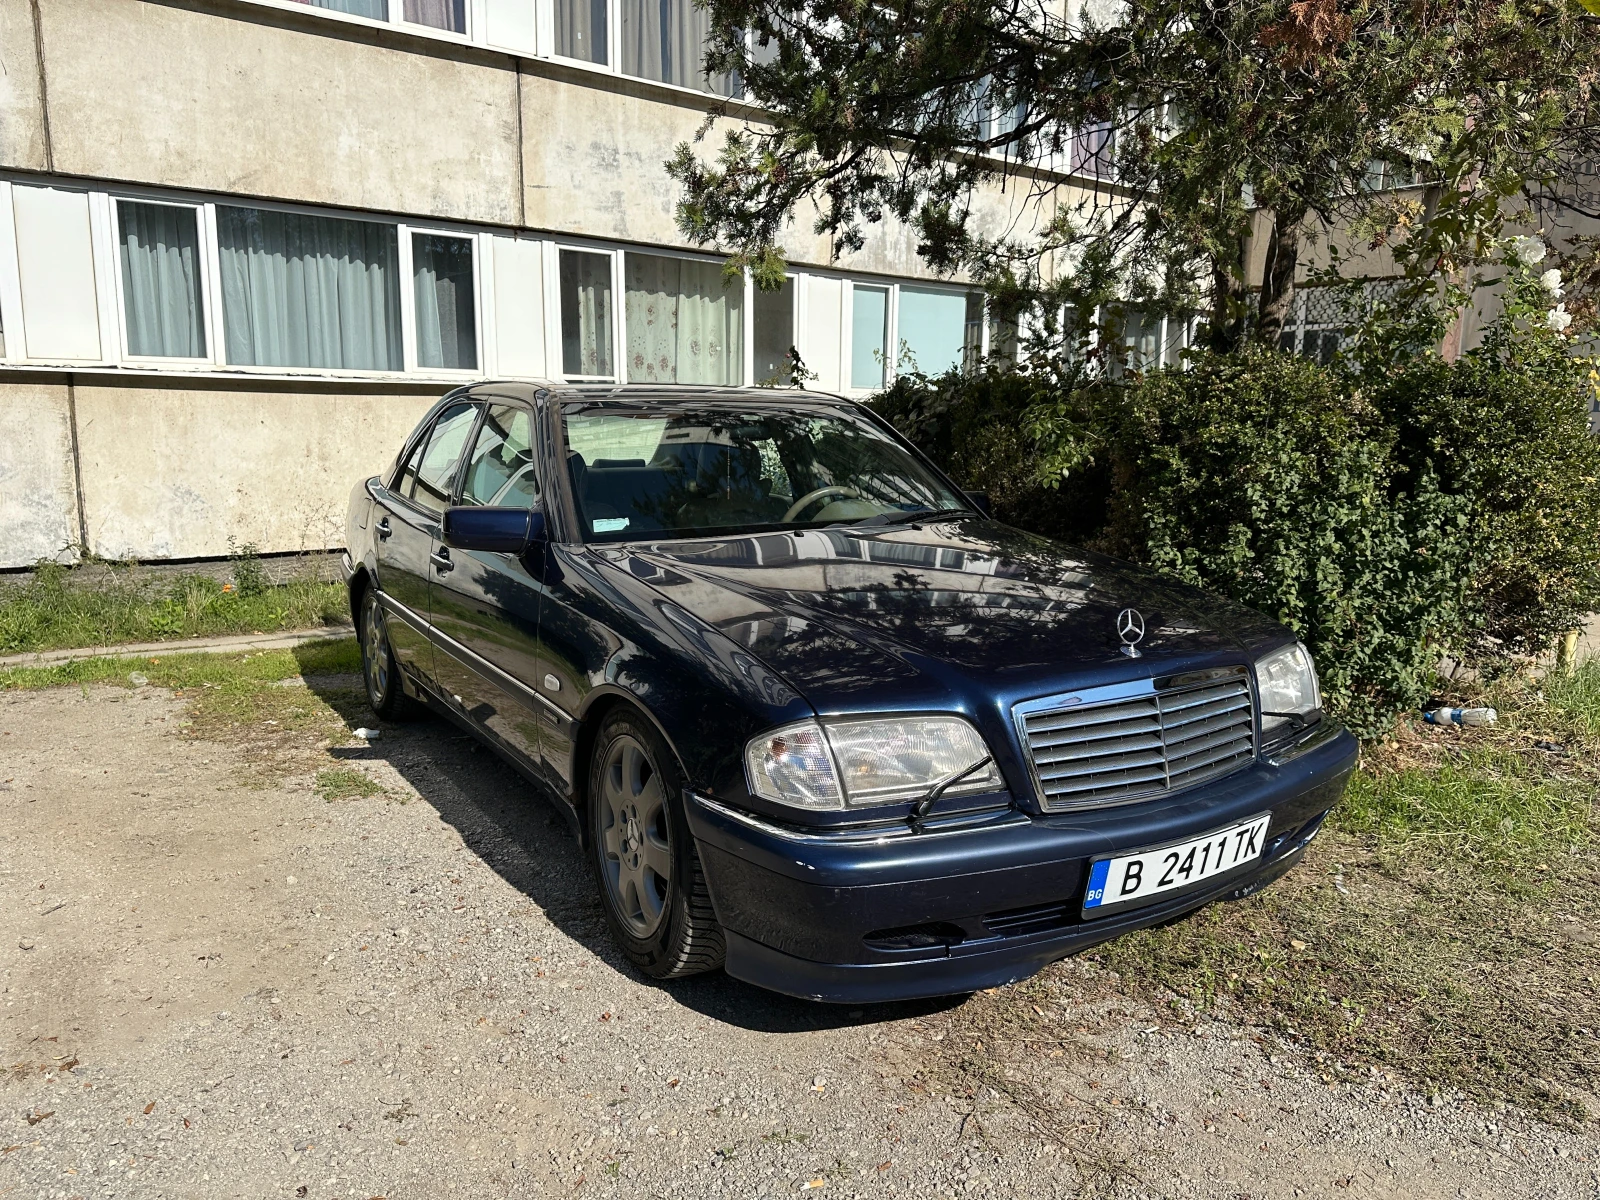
[933, 329]
[869, 333]
[586, 315]
[665, 40]
[685, 323]
[377, 10]
[773, 315]
[303, 291]
[447, 328]
[450, 15]
[159, 248]
[581, 27]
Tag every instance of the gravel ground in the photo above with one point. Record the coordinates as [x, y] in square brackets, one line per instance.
[213, 989]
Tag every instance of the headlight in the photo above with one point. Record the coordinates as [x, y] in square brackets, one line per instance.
[855, 763]
[1287, 683]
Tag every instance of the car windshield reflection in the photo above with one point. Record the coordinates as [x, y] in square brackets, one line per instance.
[709, 468]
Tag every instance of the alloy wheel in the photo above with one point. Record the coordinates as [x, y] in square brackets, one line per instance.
[635, 837]
[375, 660]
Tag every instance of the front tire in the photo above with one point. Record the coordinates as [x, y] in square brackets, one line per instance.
[652, 885]
[379, 667]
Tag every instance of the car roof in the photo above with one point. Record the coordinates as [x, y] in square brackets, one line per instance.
[638, 393]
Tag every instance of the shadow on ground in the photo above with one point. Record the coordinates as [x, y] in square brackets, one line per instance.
[520, 831]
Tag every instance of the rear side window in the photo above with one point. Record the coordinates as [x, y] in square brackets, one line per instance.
[436, 471]
[500, 469]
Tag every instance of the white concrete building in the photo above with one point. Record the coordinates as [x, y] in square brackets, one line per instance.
[244, 243]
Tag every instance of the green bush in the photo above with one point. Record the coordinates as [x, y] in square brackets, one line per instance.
[1263, 478]
[1388, 518]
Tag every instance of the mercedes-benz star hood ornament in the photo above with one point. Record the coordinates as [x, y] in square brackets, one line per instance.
[1130, 628]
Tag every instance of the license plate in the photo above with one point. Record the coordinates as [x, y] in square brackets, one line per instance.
[1130, 877]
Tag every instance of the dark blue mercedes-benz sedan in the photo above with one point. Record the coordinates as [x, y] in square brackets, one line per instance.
[816, 718]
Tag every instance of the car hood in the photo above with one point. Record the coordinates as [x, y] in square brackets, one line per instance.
[885, 617]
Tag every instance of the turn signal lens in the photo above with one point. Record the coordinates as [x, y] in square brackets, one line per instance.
[792, 765]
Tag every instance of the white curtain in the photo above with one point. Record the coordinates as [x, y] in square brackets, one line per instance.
[666, 40]
[581, 29]
[684, 325]
[376, 9]
[440, 14]
[447, 334]
[301, 291]
[160, 252]
[585, 313]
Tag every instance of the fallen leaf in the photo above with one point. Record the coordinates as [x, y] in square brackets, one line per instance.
[884, 1166]
[1297, 943]
[35, 1118]
[672, 1083]
[149, 1108]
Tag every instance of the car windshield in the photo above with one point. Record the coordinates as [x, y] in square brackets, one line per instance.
[704, 468]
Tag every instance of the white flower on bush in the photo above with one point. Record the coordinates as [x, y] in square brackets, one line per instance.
[1558, 318]
[1551, 280]
[1529, 250]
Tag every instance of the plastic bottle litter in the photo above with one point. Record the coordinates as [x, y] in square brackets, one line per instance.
[137, 679]
[369, 735]
[1461, 716]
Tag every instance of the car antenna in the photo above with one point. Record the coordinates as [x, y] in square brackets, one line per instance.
[921, 809]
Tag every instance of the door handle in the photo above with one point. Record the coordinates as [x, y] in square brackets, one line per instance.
[440, 559]
[383, 529]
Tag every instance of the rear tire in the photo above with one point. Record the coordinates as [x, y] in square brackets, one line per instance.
[379, 667]
[652, 885]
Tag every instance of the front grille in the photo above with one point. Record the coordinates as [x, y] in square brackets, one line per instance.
[1170, 734]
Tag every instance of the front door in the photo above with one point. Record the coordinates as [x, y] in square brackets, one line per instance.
[486, 605]
[408, 532]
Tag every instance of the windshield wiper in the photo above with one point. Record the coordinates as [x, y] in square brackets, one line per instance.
[906, 518]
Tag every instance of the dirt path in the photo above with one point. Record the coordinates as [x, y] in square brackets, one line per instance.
[213, 989]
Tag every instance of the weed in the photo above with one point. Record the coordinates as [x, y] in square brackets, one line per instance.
[345, 783]
[248, 575]
[785, 1137]
[56, 609]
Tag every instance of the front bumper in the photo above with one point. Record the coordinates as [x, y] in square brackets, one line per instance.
[988, 901]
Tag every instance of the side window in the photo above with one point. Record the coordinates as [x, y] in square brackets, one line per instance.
[407, 475]
[436, 473]
[500, 470]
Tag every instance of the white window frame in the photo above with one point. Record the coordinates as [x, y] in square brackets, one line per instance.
[797, 292]
[891, 334]
[555, 360]
[395, 10]
[210, 270]
[408, 301]
[10, 280]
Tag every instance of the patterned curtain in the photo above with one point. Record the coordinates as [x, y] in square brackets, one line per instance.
[684, 324]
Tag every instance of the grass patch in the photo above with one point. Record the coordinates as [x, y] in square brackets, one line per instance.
[52, 611]
[345, 783]
[336, 656]
[1446, 924]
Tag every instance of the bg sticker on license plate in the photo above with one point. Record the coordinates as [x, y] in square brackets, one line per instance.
[1130, 877]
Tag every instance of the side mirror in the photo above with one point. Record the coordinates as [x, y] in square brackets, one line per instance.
[494, 530]
[980, 501]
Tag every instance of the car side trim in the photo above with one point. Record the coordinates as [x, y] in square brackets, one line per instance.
[473, 659]
[405, 613]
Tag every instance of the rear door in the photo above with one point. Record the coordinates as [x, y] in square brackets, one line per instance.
[407, 534]
[486, 606]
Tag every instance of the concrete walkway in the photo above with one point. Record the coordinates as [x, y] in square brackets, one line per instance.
[240, 641]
